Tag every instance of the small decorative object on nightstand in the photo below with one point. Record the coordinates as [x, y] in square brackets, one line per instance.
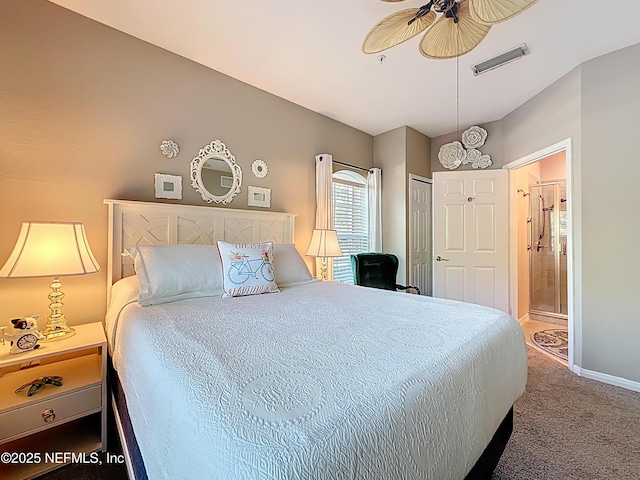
[67, 416]
[38, 383]
[324, 243]
[25, 334]
[51, 250]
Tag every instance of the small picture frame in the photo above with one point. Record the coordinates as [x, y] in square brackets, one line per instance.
[168, 186]
[259, 197]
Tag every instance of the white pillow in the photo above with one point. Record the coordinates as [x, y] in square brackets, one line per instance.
[247, 268]
[167, 273]
[290, 267]
[123, 292]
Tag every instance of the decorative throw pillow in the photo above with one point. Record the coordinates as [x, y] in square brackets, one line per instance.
[167, 273]
[247, 268]
[290, 267]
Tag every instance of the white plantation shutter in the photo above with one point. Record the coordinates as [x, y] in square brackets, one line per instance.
[350, 220]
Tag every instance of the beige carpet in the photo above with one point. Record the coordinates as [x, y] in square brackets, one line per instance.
[571, 428]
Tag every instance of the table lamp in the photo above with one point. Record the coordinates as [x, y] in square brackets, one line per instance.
[46, 249]
[324, 243]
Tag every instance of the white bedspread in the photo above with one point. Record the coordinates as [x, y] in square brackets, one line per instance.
[321, 381]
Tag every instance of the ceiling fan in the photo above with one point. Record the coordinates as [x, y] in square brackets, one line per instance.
[453, 27]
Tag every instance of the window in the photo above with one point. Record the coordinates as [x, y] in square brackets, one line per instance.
[350, 219]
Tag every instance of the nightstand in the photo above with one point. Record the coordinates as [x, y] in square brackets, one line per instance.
[44, 431]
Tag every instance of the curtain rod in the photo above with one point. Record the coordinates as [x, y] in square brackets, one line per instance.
[352, 166]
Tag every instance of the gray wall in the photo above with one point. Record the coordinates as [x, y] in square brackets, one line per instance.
[389, 150]
[418, 153]
[611, 222]
[83, 111]
[398, 153]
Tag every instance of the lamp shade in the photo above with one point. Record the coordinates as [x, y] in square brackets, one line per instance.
[324, 243]
[50, 249]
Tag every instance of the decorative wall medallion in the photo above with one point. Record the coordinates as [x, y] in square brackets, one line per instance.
[259, 168]
[474, 137]
[452, 155]
[473, 155]
[169, 148]
[168, 186]
[483, 162]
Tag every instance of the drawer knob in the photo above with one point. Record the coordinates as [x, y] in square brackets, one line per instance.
[48, 415]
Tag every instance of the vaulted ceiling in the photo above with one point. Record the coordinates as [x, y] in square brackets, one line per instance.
[310, 53]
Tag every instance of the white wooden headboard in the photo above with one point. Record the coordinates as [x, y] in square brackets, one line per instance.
[147, 223]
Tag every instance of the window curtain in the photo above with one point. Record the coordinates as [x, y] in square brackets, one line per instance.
[324, 176]
[324, 202]
[374, 189]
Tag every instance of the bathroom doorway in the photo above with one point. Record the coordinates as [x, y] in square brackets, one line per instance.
[541, 254]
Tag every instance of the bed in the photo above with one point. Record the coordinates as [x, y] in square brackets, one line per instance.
[318, 381]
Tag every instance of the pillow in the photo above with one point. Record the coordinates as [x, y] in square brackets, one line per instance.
[167, 273]
[247, 268]
[124, 292]
[290, 267]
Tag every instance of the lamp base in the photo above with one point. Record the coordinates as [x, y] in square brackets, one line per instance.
[57, 327]
[58, 333]
[323, 269]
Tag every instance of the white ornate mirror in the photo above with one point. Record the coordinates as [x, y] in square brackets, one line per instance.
[215, 174]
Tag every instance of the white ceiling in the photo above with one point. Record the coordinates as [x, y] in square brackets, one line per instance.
[310, 53]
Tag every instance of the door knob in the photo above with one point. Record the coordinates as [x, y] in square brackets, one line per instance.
[440, 259]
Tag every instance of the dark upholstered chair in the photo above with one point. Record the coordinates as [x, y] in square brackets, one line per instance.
[377, 270]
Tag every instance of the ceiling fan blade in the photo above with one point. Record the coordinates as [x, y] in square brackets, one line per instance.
[447, 39]
[394, 29]
[490, 12]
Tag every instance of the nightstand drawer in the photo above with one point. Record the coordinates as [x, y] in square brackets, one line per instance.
[58, 409]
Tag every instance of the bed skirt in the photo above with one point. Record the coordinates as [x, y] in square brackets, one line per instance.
[488, 461]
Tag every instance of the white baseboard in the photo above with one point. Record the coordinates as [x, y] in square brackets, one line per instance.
[524, 319]
[606, 378]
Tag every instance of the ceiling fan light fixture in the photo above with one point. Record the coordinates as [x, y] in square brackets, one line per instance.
[500, 60]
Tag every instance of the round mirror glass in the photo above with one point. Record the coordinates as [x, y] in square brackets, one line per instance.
[215, 173]
[217, 177]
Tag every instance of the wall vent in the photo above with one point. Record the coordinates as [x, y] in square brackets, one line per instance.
[502, 59]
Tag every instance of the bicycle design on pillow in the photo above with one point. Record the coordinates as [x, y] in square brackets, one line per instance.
[242, 267]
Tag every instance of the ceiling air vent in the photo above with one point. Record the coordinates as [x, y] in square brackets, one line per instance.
[502, 59]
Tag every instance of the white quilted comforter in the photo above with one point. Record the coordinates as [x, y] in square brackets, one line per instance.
[321, 381]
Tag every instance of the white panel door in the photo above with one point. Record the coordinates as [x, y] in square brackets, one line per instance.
[420, 238]
[471, 237]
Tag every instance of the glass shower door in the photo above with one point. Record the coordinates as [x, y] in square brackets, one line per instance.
[547, 249]
[542, 251]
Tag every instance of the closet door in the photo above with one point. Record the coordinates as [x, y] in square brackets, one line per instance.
[420, 235]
